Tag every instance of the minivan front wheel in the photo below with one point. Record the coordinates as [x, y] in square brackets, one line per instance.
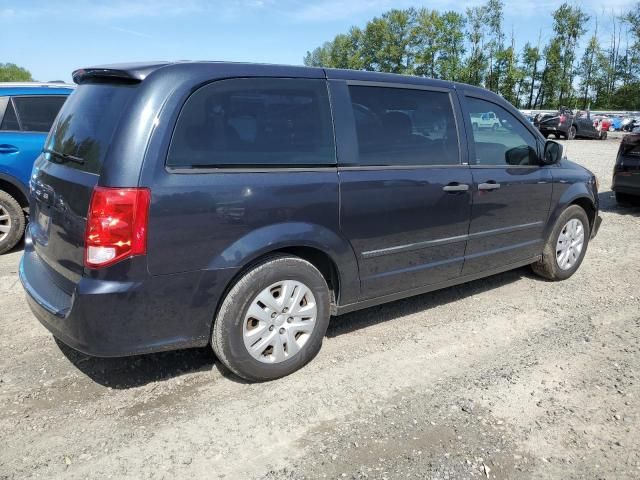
[566, 246]
[12, 222]
[273, 320]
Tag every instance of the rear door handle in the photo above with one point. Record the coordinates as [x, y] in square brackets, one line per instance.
[456, 187]
[488, 186]
[4, 148]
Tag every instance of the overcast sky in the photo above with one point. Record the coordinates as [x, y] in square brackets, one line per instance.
[52, 38]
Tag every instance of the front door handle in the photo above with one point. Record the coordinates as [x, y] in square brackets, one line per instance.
[4, 148]
[488, 186]
[456, 187]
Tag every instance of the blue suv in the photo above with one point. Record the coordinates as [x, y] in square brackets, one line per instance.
[27, 111]
[234, 205]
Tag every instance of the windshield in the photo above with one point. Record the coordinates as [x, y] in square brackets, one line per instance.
[86, 124]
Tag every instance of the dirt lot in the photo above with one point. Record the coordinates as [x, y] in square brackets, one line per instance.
[507, 377]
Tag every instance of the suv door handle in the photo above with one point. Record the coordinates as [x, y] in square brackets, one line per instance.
[4, 148]
[488, 186]
[456, 187]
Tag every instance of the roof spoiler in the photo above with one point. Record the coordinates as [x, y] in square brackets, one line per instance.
[123, 73]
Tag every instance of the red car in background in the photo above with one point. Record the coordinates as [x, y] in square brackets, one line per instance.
[602, 124]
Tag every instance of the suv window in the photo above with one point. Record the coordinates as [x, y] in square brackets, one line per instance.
[398, 126]
[37, 113]
[9, 121]
[503, 142]
[255, 121]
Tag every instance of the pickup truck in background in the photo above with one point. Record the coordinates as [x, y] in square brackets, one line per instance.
[564, 124]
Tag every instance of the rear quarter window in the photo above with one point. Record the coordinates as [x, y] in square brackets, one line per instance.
[261, 122]
[37, 113]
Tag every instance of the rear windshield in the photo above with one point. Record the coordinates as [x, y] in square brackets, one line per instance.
[85, 126]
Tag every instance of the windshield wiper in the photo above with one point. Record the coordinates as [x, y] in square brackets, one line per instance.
[64, 156]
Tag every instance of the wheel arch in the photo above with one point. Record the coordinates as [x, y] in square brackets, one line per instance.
[14, 187]
[327, 251]
[581, 199]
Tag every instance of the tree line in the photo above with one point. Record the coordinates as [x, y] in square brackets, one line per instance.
[579, 66]
[10, 72]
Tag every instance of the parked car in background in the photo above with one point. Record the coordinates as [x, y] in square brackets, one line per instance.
[602, 124]
[258, 200]
[485, 120]
[616, 124]
[629, 124]
[626, 172]
[27, 111]
[560, 123]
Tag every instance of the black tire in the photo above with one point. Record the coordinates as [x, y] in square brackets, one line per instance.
[227, 338]
[10, 207]
[548, 267]
[545, 134]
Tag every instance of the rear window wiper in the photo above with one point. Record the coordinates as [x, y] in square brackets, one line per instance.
[64, 156]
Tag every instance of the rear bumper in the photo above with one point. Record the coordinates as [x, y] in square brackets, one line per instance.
[114, 319]
[625, 182]
[552, 129]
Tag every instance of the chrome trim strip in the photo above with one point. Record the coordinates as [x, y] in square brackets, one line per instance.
[514, 228]
[348, 167]
[444, 241]
[249, 169]
[413, 246]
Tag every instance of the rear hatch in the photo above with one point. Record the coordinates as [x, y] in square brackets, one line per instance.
[66, 172]
[629, 154]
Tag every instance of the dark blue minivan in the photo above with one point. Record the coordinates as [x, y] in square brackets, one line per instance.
[185, 204]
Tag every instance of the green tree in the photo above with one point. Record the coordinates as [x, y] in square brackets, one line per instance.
[451, 51]
[569, 24]
[530, 59]
[587, 66]
[495, 46]
[10, 72]
[507, 73]
[476, 63]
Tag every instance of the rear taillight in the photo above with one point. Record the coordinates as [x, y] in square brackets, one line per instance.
[116, 225]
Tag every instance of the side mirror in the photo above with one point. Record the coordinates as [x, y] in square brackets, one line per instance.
[552, 152]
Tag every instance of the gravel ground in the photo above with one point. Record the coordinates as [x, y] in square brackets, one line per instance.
[506, 377]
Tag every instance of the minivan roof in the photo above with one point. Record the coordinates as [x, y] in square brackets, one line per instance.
[137, 72]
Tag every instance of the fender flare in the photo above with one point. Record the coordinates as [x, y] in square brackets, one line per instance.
[15, 182]
[279, 236]
[574, 194]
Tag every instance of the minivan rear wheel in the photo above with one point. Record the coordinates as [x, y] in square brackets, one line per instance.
[12, 222]
[566, 246]
[273, 320]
